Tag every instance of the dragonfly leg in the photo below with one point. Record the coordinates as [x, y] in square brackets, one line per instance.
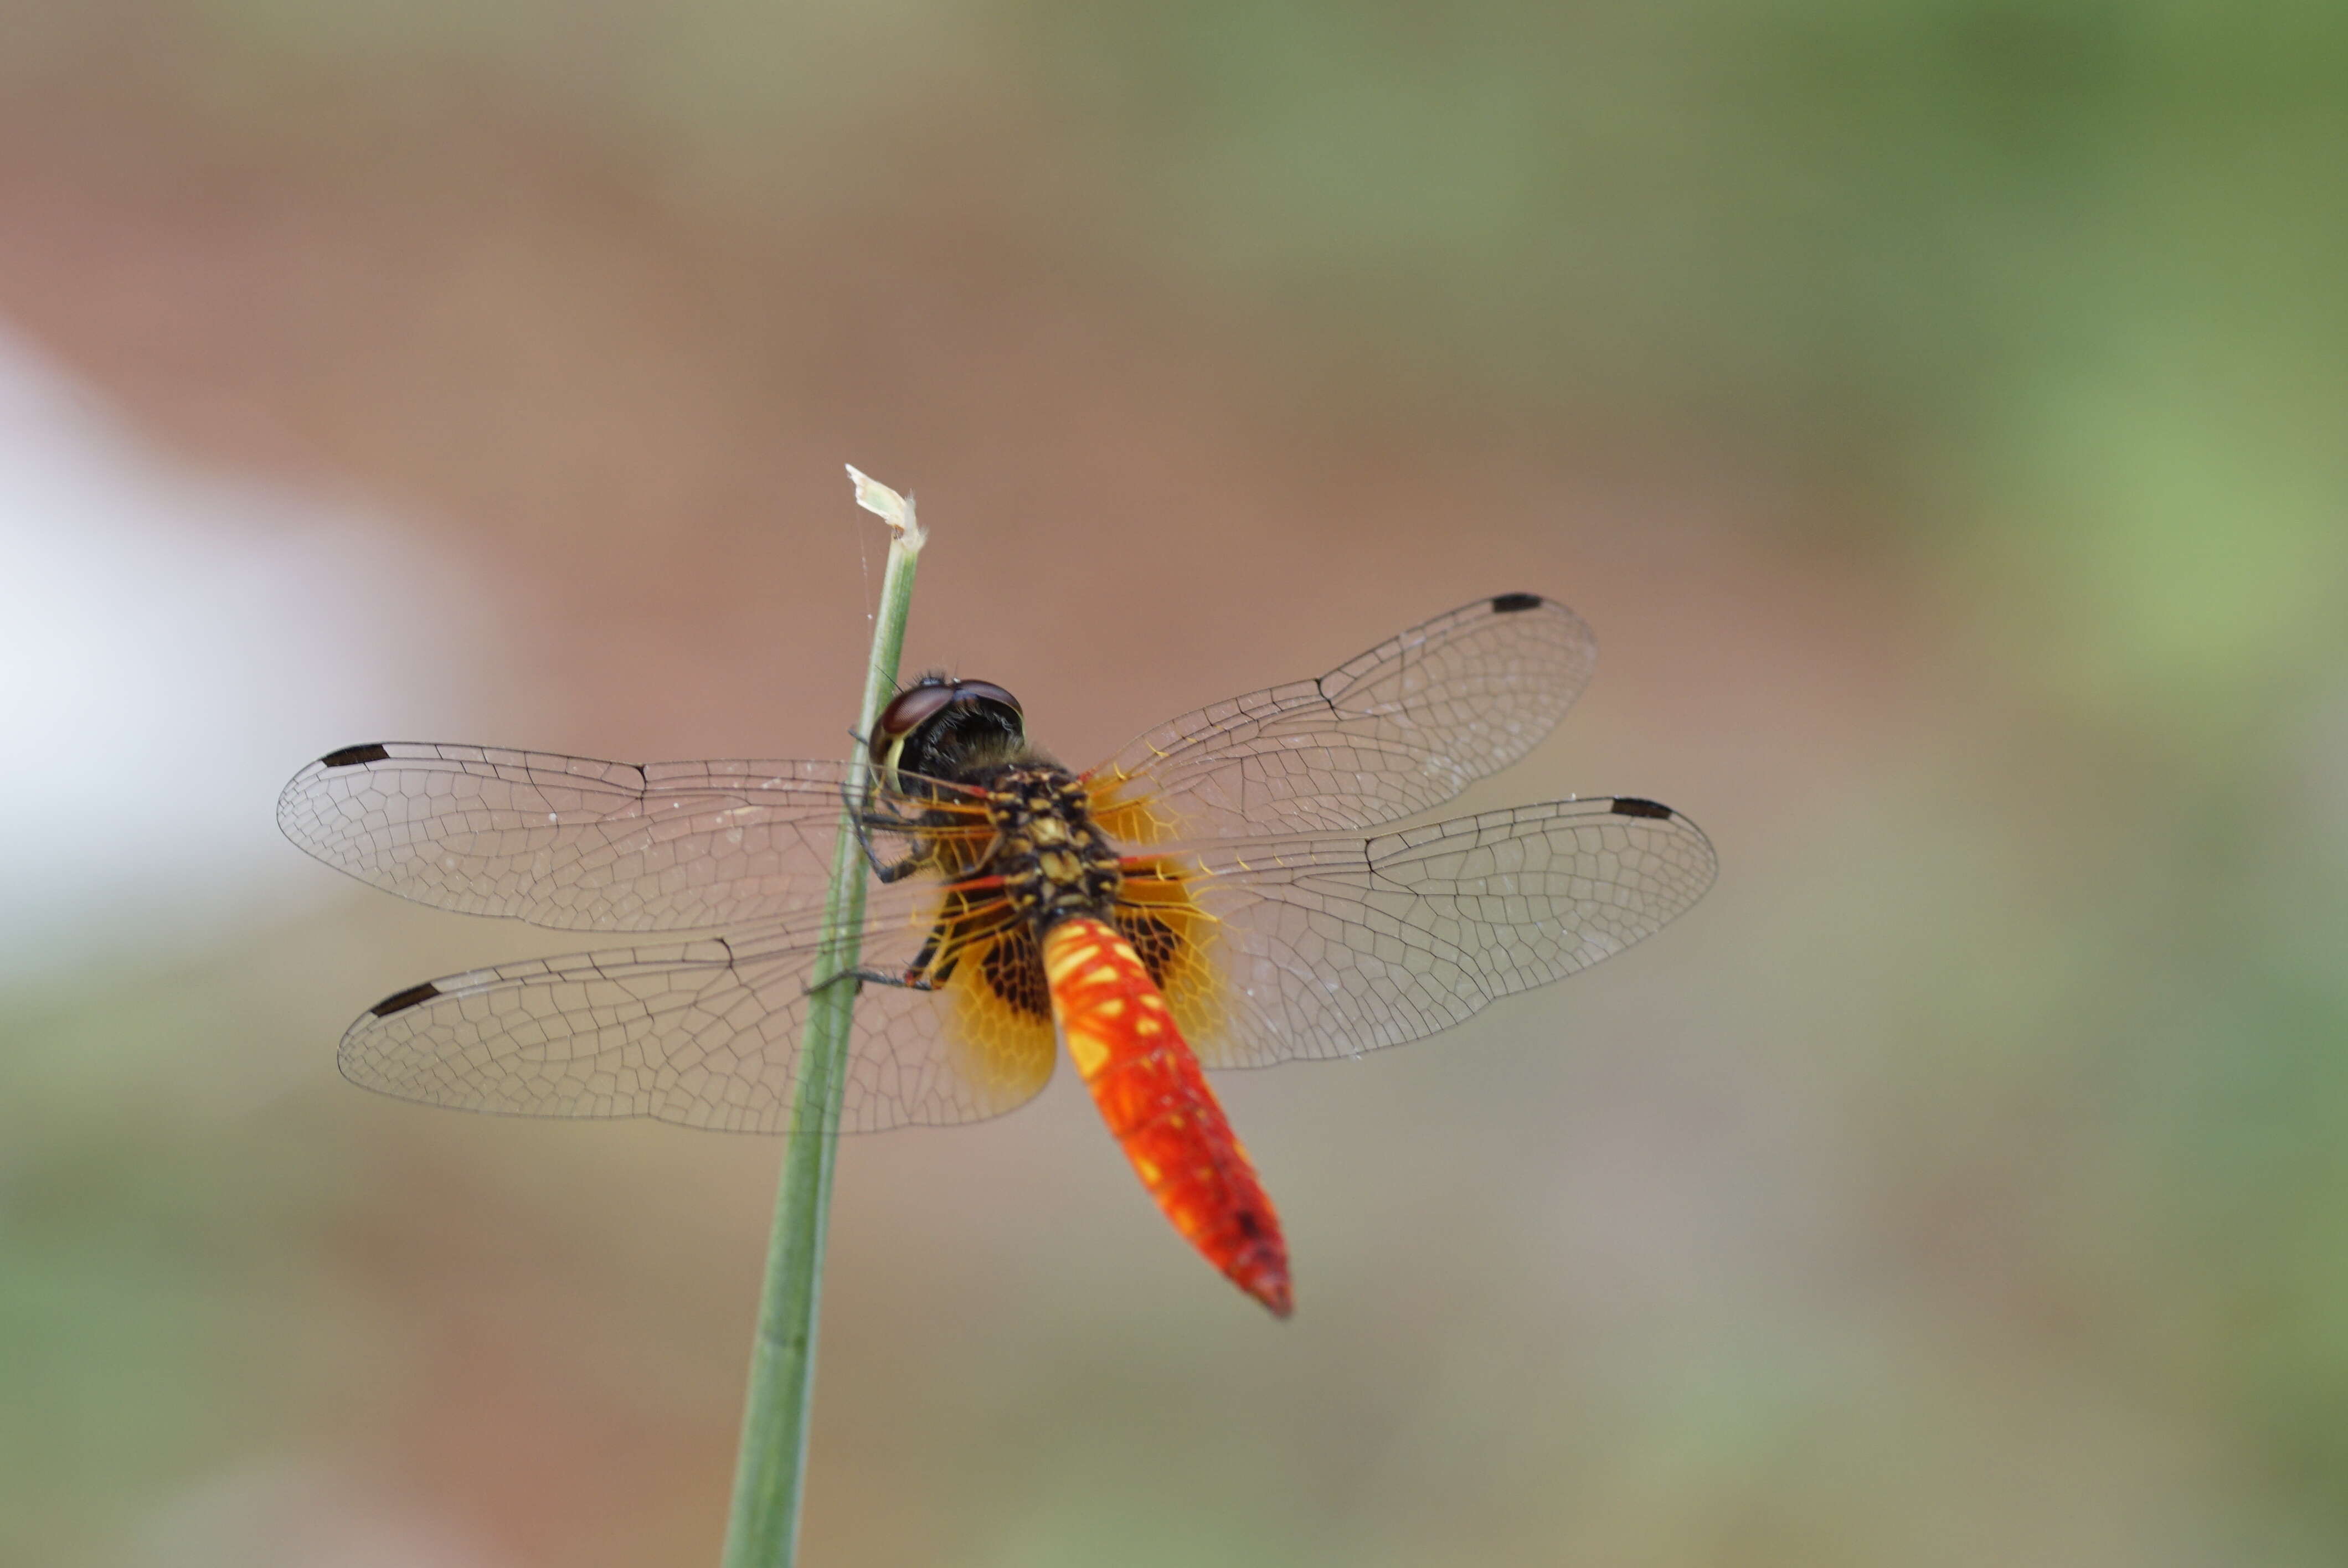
[923, 974]
[911, 980]
[888, 871]
[869, 821]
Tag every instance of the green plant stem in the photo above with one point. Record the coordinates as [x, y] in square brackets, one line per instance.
[762, 1529]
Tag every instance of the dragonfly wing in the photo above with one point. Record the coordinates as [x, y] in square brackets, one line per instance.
[1402, 729]
[571, 841]
[1331, 946]
[706, 1033]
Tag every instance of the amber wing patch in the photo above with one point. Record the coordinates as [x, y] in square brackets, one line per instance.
[1129, 812]
[1002, 1044]
[1176, 940]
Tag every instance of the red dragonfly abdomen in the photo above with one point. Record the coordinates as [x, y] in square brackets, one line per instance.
[1147, 1082]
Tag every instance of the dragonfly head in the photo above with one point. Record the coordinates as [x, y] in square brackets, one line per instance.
[943, 728]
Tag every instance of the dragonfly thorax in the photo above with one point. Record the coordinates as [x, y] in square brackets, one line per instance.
[1054, 862]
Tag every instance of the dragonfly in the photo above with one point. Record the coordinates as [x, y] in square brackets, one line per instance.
[1208, 898]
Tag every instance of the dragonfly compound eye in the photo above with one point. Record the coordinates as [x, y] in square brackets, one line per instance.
[908, 710]
[987, 695]
[938, 725]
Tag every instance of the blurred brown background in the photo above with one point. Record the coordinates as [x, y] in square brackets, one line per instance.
[1936, 406]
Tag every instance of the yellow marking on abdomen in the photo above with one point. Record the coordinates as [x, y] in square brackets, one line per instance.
[1088, 1051]
[1057, 965]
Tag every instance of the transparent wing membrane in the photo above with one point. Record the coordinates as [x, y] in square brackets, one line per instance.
[1333, 946]
[571, 841]
[706, 1033]
[1397, 731]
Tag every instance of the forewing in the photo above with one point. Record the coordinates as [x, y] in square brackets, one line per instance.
[704, 1034]
[1331, 946]
[571, 842]
[1398, 731]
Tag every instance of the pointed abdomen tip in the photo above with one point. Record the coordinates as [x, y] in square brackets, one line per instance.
[1265, 1277]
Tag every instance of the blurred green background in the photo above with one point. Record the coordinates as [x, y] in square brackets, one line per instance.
[1936, 406]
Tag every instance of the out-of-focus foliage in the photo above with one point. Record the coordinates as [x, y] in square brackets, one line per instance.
[1936, 404]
